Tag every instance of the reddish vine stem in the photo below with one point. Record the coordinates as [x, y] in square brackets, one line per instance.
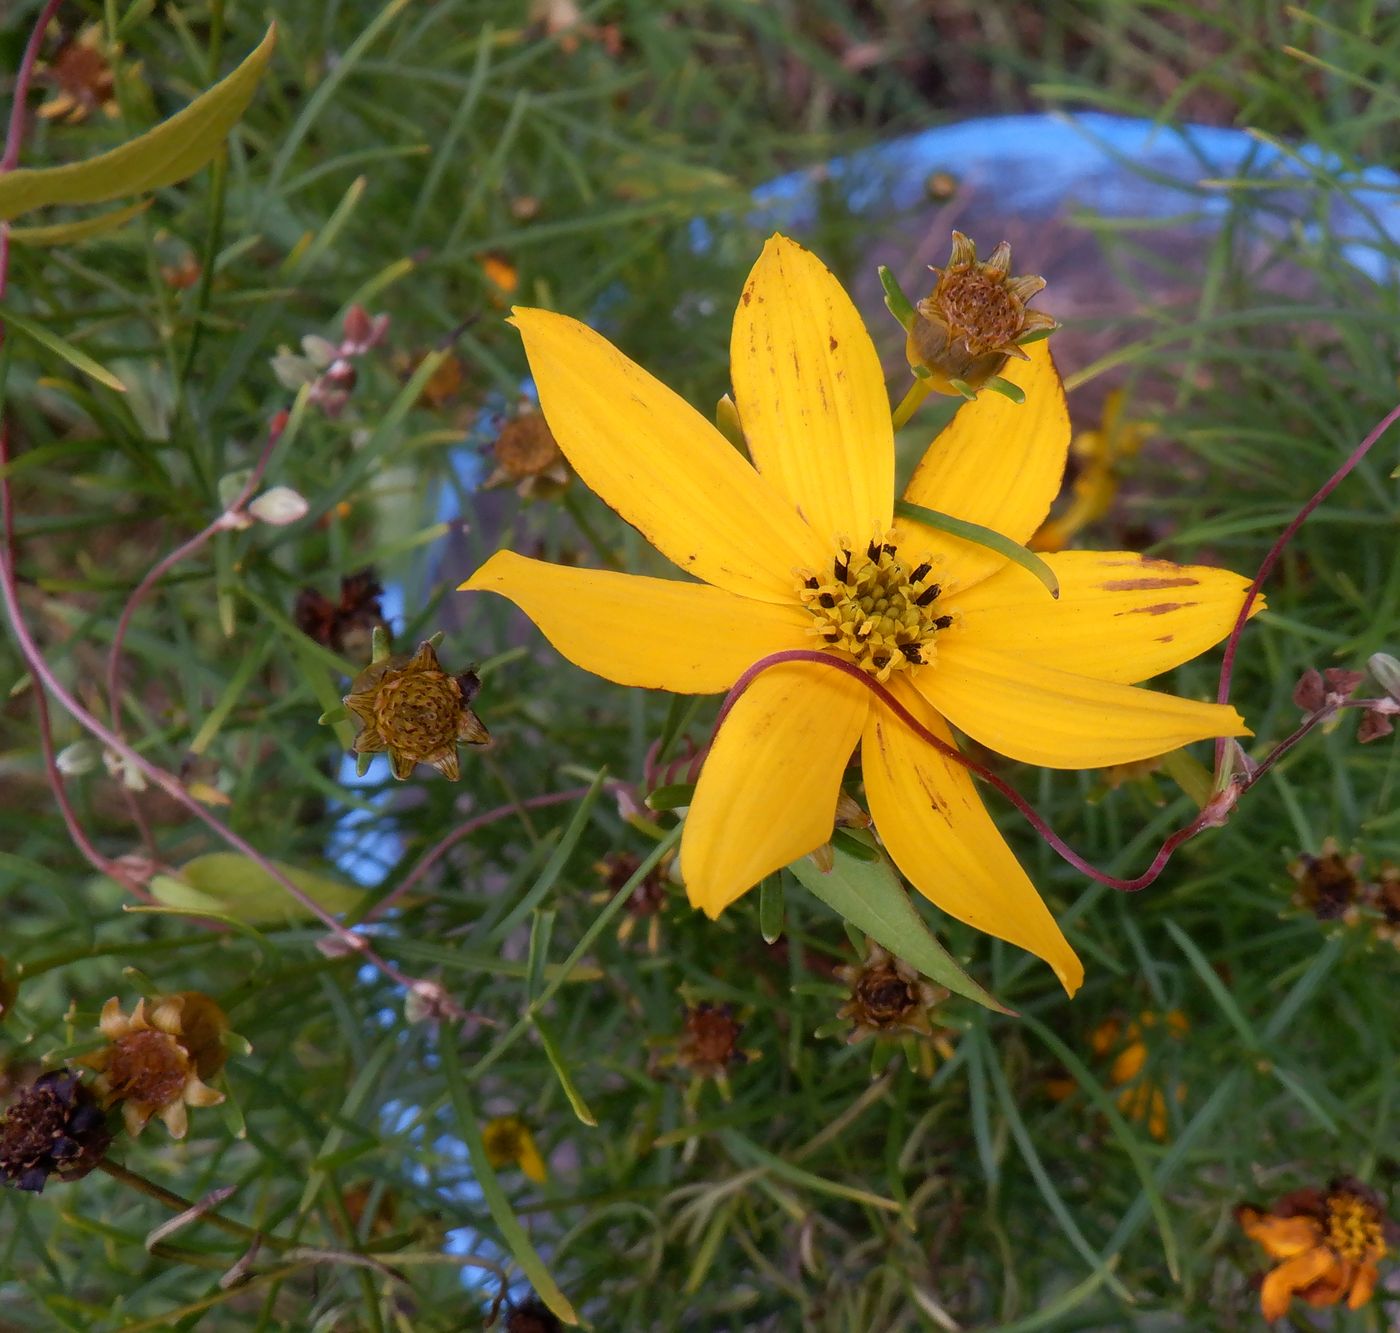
[1227, 665]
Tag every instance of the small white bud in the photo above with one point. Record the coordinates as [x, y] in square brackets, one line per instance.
[319, 351]
[279, 506]
[130, 776]
[79, 758]
[292, 371]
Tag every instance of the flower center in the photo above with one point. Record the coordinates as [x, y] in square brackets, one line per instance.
[1353, 1227]
[149, 1068]
[982, 310]
[875, 611]
[419, 712]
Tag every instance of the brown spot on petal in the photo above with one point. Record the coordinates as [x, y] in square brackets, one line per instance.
[832, 343]
[1165, 638]
[1143, 585]
[1156, 609]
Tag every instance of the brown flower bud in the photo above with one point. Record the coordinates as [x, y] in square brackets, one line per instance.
[887, 996]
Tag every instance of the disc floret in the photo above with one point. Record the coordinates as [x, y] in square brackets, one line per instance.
[875, 609]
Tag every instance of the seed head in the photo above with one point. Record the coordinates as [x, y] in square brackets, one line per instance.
[54, 1128]
[411, 708]
[710, 1044]
[974, 319]
[528, 458]
[531, 1317]
[156, 1060]
[887, 997]
[1329, 886]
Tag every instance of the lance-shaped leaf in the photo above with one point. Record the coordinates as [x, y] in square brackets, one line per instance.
[175, 149]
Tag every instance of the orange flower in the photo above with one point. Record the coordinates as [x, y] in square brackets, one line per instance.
[1140, 1098]
[1330, 1246]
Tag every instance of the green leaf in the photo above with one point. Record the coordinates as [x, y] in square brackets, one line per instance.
[896, 301]
[175, 149]
[988, 537]
[232, 885]
[512, 1233]
[870, 895]
[64, 233]
[75, 357]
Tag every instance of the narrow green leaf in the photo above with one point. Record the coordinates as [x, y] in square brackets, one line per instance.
[561, 1072]
[65, 233]
[896, 302]
[988, 537]
[75, 357]
[671, 797]
[1007, 390]
[870, 895]
[512, 1233]
[770, 908]
[175, 149]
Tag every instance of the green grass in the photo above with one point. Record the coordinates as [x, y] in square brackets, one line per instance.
[390, 148]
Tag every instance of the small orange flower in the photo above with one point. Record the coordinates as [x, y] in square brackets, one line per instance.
[1139, 1098]
[711, 1041]
[501, 275]
[413, 709]
[82, 78]
[156, 1061]
[1329, 886]
[1330, 1246]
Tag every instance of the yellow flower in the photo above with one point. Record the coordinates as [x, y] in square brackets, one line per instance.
[412, 708]
[1100, 454]
[1330, 1246]
[510, 1143]
[156, 1061]
[802, 550]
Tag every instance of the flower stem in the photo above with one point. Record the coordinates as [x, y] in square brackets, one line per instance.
[178, 1203]
[910, 403]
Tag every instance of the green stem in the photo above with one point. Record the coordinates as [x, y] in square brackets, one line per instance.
[975, 532]
[911, 402]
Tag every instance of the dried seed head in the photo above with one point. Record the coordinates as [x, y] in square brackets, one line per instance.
[153, 1060]
[1329, 886]
[528, 457]
[974, 319]
[710, 1044]
[54, 1128]
[343, 627]
[81, 74]
[887, 997]
[411, 708]
[532, 1317]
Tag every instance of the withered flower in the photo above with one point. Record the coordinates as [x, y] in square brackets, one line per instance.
[1329, 886]
[888, 997]
[81, 76]
[1386, 900]
[531, 1316]
[157, 1059]
[444, 384]
[710, 1044]
[411, 708]
[646, 900]
[345, 626]
[1330, 1245]
[528, 458]
[509, 1143]
[54, 1128]
[974, 319]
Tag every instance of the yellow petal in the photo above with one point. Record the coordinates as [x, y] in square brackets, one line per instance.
[997, 463]
[767, 793]
[1120, 616]
[662, 466]
[811, 395]
[660, 634]
[1057, 719]
[1281, 1237]
[933, 823]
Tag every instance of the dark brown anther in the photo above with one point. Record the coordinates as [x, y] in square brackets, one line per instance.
[920, 574]
[929, 594]
[943, 622]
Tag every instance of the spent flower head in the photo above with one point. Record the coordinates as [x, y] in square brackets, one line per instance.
[974, 319]
[157, 1059]
[411, 708]
[55, 1128]
[528, 458]
[887, 997]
